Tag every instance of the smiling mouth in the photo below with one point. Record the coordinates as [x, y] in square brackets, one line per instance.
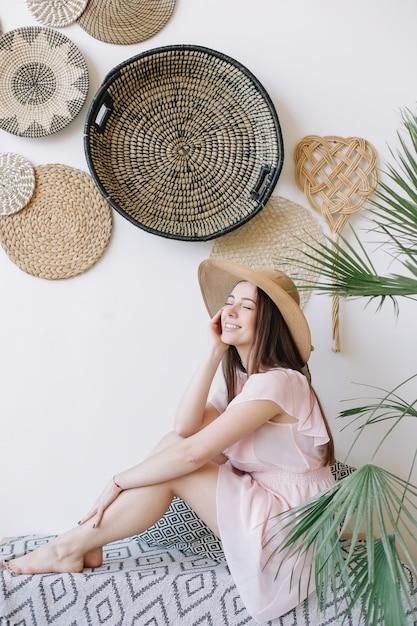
[231, 326]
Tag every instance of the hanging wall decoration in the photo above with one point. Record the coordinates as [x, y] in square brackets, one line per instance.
[44, 81]
[278, 237]
[184, 142]
[337, 175]
[17, 182]
[56, 13]
[125, 21]
[63, 230]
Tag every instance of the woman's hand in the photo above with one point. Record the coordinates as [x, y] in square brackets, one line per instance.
[108, 495]
[216, 330]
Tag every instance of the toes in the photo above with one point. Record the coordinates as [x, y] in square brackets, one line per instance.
[10, 568]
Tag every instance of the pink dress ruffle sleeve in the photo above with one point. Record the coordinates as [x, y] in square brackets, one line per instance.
[276, 467]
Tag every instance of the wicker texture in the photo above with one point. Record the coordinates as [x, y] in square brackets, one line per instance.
[56, 13]
[337, 175]
[44, 81]
[17, 182]
[125, 21]
[64, 229]
[184, 142]
[279, 236]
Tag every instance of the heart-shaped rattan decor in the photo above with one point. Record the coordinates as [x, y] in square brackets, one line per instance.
[337, 175]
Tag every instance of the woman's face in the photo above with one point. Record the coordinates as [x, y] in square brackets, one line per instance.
[239, 316]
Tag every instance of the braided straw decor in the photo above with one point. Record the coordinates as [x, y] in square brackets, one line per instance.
[337, 176]
[64, 229]
[184, 142]
[125, 21]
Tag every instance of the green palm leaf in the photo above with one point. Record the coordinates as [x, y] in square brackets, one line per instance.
[348, 272]
[393, 588]
[371, 500]
[390, 408]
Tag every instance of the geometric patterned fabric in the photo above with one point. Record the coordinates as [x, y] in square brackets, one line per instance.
[138, 585]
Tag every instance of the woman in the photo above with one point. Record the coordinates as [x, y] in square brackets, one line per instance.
[256, 447]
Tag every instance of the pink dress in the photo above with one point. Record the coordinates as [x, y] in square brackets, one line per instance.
[271, 470]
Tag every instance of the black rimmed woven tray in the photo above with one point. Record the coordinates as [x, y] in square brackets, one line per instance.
[184, 142]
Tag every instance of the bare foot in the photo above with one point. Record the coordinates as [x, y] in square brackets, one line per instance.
[94, 558]
[52, 557]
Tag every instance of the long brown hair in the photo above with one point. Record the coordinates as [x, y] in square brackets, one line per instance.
[273, 346]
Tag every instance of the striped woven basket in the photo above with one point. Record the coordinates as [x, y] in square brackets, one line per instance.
[184, 142]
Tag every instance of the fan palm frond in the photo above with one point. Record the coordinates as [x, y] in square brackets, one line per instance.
[372, 499]
[348, 272]
[395, 208]
[393, 587]
[391, 407]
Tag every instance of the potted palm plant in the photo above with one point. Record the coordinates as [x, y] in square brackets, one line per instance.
[371, 503]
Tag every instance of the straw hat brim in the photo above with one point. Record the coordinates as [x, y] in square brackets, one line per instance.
[217, 277]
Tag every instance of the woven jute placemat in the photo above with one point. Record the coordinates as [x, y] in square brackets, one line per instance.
[17, 182]
[44, 81]
[125, 21]
[63, 230]
[280, 236]
[184, 142]
[56, 13]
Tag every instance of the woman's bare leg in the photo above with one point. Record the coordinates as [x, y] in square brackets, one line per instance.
[132, 512]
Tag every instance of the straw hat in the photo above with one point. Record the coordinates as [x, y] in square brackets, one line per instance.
[217, 277]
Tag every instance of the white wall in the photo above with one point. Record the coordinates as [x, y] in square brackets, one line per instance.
[91, 368]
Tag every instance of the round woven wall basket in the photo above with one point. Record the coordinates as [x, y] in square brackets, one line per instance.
[63, 230]
[44, 81]
[17, 182]
[56, 13]
[184, 142]
[125, 21]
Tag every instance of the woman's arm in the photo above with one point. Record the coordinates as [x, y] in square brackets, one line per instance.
[189, 454]
[193, 413]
